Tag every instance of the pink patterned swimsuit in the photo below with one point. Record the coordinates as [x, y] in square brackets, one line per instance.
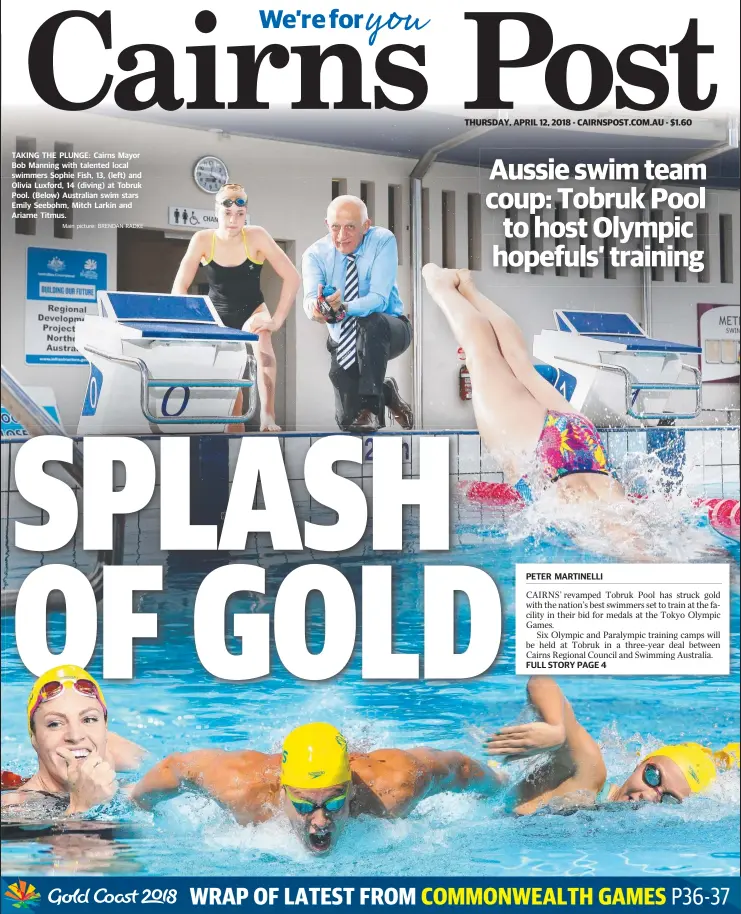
[568, 444]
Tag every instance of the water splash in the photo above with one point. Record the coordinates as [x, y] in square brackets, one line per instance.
[662, 521]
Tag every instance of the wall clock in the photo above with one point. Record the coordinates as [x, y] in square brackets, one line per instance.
[210, 174]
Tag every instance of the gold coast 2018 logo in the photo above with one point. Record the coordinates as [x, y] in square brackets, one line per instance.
[22, 894]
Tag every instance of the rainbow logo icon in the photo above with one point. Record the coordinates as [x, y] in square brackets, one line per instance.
[22, 894]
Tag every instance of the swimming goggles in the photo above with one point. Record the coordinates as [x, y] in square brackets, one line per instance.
[55, 687]
[229, 203]
[652, 778]
[306, 807]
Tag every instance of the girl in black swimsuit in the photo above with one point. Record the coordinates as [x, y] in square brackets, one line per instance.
[233, 256]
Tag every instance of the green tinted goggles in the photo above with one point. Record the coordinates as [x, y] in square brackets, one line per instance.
[306, 807]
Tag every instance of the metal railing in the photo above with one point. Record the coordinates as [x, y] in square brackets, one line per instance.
[37, 421]
[634, 388]
[147, 384]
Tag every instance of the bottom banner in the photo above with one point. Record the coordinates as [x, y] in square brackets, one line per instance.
[185, 894]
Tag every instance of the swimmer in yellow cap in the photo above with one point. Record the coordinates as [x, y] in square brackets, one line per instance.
[78, 756]
[315, 782]
[576, 775]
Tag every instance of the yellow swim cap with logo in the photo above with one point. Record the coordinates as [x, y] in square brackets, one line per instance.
[695, 762]
[52, 683]
[315, 756]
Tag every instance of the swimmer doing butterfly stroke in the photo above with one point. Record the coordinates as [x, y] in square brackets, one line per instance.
[315, 783]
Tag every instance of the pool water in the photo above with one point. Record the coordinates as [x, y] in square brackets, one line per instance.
[175, 706]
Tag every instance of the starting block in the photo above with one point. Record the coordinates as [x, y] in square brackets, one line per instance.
[606, 366]
[162, 364]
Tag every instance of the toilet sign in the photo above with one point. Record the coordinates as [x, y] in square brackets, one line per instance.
[718, 334]
[61, 287]
[192, 218]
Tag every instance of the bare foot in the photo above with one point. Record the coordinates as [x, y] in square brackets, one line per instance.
[464, 276]
[435, 276]
[268, 424]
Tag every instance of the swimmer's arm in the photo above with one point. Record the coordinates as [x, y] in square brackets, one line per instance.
[281, 263]
[545, 735]
[450, 770]
[550, 704]
[177, 771]
[123, 754]
[189, 264]
[578, 767]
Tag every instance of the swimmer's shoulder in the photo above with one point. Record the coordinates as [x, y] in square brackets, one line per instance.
[396, 762]
[245, 781]
[201, 242]
[258, 240]
[240, 768]
[387, 781]
[242, 761]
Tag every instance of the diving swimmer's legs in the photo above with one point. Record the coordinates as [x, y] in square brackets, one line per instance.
[508, 416]
[513, 347]
[514, 350]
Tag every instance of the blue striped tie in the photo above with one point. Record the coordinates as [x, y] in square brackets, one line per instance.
[347, 348]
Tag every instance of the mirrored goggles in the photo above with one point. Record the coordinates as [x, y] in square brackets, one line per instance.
[652, 778]
[306, 807]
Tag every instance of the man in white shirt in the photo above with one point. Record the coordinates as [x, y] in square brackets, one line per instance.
[365, 318]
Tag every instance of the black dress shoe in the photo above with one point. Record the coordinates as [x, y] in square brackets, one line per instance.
[400, 409]
[365, 421]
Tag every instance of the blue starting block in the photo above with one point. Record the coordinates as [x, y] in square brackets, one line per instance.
[162, 363]
[606, 366]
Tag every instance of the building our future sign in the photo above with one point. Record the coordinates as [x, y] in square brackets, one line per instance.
[61, 287]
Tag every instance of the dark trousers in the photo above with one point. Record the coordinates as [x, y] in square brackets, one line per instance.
[381, 337]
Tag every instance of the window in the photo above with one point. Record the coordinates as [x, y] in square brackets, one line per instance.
[26, 225]
[511, 244]
[657, 272]
[426, 258]
[680, 244]
[536, 244]
[474, 231]
[702, 234]
[560, 214]
[585, 272]
[609, 269]
[394, 220]
[448, 214]
[726, 248]
[339, 187]
[63, 226]
[368, 196]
